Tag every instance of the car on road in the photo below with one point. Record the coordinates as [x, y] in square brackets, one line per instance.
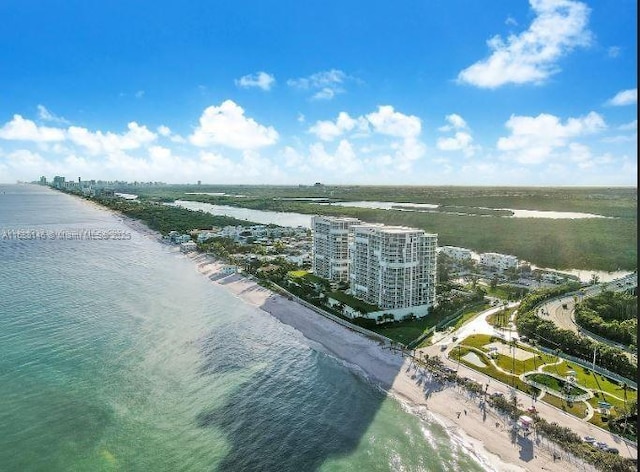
[589, 439]
[612, 450]
[454, 339]
[601, 445]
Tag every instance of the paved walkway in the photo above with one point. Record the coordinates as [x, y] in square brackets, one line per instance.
[479, 325]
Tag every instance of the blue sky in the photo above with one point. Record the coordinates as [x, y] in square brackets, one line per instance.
[506, 92]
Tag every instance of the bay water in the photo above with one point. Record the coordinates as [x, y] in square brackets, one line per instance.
[117, 355]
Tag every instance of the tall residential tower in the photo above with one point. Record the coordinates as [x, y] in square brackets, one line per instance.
[331, 247]
[394, 267]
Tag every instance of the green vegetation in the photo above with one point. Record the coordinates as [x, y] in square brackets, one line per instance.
[584, 377]
[592, 244]
[505, 291]
[489, 369]
[548, 334]
[611, 315]
[558, 385]
[577, 409]
[501, 318]
[355, 303]
[592, 380]
[538, 296]
[166, 218]
[510, 364]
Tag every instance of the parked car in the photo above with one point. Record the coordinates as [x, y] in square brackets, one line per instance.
[589, 439]
[601, 445]
[612, 450]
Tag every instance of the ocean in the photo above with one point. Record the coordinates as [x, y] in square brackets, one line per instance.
[117, 355]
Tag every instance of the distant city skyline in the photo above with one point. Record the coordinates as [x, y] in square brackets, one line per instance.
[539, 92]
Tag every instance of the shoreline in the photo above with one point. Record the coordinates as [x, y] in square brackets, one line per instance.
[397, 377]
[387, 371]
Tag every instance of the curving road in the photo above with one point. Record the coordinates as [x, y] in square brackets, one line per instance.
[561, 310]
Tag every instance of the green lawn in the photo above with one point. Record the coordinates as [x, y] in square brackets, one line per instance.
[555, 384]
[404, 332]
[478, 340]
[588, 379]
[490, 370]
[353, 302]
[470, 313]
[508, 363]
[577, 409]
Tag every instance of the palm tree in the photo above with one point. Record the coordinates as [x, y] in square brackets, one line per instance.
[513, 361]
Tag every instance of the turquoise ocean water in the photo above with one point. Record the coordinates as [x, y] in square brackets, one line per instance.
[119, 356]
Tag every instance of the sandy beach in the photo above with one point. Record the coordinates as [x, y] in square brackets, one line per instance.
[482, 432]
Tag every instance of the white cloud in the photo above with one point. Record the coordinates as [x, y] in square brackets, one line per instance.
[623, 98]
[455, 122]
[534, 139]
[261, 80]
[342, 161]
[325, 84]
[376, 127]
[139, 94]
[532, 56]
[631, 126]
[329, 130]
[227, 125]
[164, 131]
[392, 123]
[21, 129]
[99, 142]
[461, 140]
[46, 115]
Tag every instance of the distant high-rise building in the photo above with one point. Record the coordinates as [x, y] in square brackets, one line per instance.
[58, 182]
[331, 247]
[393, 267]
[43, 180]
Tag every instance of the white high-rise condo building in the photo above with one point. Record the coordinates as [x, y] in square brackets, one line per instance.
[394, 267]
[331, 247]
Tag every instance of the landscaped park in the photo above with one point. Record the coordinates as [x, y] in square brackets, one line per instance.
[575, 389]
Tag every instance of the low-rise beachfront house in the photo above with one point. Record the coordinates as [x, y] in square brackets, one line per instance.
[458, 254]
[496, 261]
[204, 236]
[188, 246]
[176, 238]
